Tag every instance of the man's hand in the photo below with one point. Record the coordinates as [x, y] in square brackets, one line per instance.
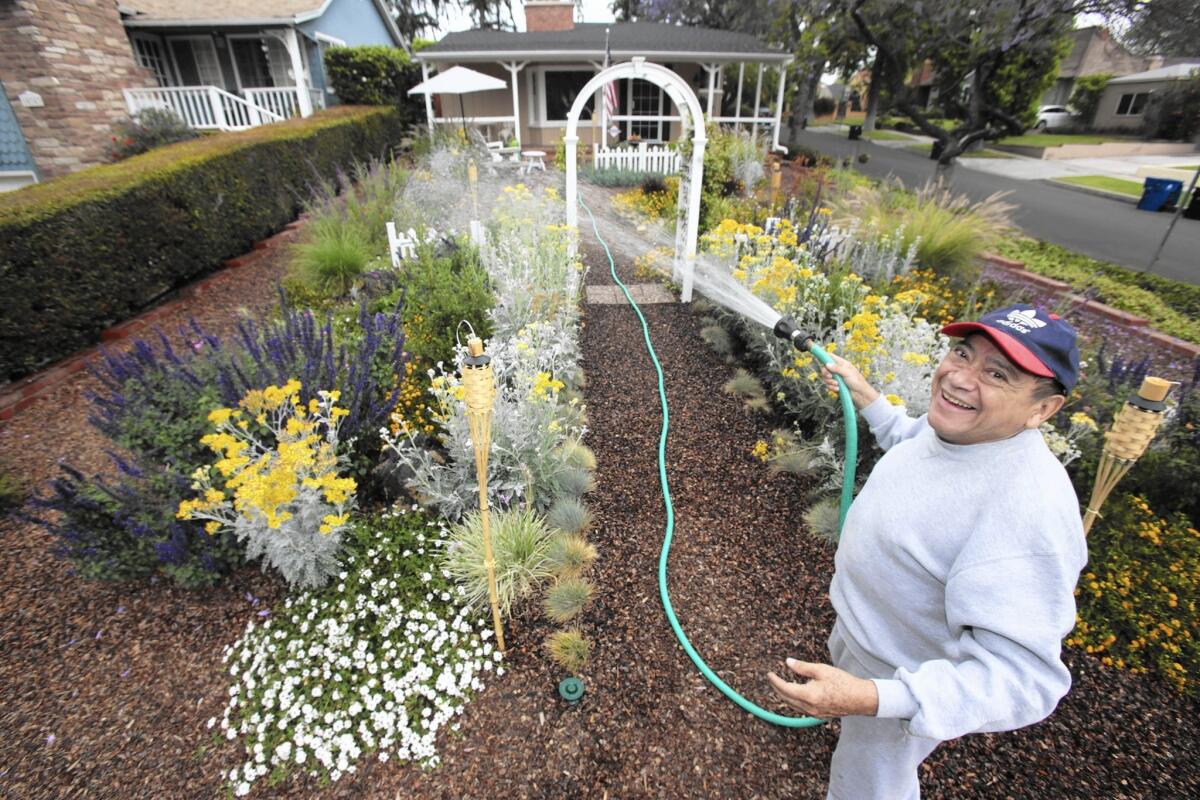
[830, 692]
[861, 392]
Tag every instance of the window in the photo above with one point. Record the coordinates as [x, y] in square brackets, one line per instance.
[261, 62]
[642, 98]
[196, 61]
[561, 89]
[149, 54]
[1131, 105]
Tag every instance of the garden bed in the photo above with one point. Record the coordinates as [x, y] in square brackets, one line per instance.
[114, 684]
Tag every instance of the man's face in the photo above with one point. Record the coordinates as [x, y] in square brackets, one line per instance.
[980, 396]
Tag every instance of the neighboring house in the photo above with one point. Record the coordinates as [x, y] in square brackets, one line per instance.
[231, 64]
[1124, 100]
[70, 69]
[1093, 51]
[547, 65]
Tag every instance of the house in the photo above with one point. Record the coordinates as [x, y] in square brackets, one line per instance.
[1124, 99]
[1093, 51]
[70, 69]
[545, 67]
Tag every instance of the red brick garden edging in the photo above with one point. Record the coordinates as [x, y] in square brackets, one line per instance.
[1064, 290]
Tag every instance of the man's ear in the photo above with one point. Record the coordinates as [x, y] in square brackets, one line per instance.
[1044, 410]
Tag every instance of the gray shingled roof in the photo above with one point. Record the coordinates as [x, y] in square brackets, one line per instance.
[587, 38]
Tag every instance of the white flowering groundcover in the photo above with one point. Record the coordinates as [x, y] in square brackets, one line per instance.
[377, 662]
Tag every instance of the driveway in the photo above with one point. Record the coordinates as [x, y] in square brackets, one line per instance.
[1110, 230]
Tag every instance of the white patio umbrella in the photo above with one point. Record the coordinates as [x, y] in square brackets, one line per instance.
[459, 81]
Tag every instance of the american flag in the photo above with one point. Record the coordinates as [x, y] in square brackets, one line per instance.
[611, 99]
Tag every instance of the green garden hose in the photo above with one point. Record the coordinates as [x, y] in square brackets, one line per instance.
[847, 496]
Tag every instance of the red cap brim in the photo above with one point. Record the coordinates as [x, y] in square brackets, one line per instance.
[1018, 353]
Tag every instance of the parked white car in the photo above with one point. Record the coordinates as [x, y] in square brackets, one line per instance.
[1054, 117]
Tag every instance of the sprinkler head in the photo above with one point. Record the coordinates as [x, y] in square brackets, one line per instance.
[786, 329]
[571, 690]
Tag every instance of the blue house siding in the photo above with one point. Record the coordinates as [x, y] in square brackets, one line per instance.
[355, 22]
[14, 152]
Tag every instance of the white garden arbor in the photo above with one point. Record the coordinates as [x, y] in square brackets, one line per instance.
[688, 104]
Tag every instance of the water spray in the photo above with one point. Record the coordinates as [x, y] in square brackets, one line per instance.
[786, 329]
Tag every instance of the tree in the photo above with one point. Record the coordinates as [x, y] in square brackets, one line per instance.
[1085, 97]
[1164, 27]
[991, 60]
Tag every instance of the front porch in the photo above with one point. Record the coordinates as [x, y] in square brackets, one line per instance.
[231, 79]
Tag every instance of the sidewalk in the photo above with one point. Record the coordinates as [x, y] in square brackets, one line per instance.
[1024, 168]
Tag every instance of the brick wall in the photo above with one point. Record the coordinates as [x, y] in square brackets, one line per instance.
[549, 15]
[75, 54]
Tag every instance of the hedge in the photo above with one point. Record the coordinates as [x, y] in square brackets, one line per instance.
[91, 249]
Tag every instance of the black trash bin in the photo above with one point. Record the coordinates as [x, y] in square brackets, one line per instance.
[856, 131]
[935, 152]
[1193, 208]
[1160, 194]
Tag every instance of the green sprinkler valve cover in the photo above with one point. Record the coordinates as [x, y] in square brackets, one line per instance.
[571, 690]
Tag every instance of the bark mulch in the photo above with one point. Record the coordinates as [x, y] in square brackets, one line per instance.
[107, 688]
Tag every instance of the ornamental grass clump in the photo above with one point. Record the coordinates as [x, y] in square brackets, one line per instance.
[277, 485]
[569, 515]
[569, 649]
[520, 544]
[567, 599]
[570, 555]
[380, 661]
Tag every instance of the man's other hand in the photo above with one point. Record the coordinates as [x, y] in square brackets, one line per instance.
[829, 692]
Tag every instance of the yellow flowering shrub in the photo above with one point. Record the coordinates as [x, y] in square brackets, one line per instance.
[933, 297]
[655, 205]
[275, 483]
[1137, 600]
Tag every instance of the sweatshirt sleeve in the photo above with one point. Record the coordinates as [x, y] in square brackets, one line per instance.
[1011, 615]
[889, 424]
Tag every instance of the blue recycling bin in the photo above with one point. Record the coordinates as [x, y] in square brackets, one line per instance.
[1159, 194]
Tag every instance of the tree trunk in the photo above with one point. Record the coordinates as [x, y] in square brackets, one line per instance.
[873, 96]
[808, 75]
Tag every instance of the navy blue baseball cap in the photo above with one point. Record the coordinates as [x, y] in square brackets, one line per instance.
[1034, 339]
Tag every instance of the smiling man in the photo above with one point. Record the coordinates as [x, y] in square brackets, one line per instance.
[955, 574]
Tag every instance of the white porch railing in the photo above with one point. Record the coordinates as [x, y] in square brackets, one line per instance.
[660, 159]
[202, 107]
[282, 100]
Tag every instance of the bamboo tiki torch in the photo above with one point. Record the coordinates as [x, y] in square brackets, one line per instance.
[480, 394]
[1126, 441]
[473, 180]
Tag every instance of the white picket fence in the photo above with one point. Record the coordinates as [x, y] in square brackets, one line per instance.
[659, 158]
[403, 246]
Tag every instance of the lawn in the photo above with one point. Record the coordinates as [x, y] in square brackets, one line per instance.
[1132, 188]
[1057, 139]
[887, 136]
[850, 119]
[986, 154]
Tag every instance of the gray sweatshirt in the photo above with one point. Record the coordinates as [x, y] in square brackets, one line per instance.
[954, 578]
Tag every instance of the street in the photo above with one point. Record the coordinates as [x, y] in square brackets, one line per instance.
[1106, 229]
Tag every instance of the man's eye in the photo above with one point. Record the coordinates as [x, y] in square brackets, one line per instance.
[999, 376]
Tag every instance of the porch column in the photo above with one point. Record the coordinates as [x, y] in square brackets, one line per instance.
[428, 99]
[712, 70]
[757, 96]
[779, 107]
[302, 82]
[737, 111]
[513, 68]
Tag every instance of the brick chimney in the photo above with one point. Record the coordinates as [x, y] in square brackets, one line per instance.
[549, 15]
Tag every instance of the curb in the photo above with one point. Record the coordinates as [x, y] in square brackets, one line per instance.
[1124, 198]
[24, 392]
[1130, 322]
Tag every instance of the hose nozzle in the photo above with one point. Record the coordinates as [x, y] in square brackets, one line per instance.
[786, 329]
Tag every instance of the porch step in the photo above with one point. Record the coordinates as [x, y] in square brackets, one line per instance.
[642, 293]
